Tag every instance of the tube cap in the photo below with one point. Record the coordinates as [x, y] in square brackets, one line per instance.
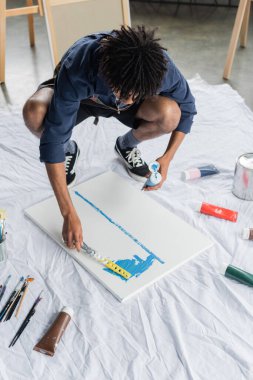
[193, 173]
[245, 233]
[154, 166]
[68, 311]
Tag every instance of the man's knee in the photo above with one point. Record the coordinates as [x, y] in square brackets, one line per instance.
[169, 116]
[35, 109]
[34, 112]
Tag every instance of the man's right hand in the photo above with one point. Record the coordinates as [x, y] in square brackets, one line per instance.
[72, 231]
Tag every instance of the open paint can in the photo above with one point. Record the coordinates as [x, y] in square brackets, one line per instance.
[243, 177]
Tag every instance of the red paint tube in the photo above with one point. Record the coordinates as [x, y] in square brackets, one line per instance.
[218, 212]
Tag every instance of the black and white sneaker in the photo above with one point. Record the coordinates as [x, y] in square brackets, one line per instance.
[70, 163]
[136, 166]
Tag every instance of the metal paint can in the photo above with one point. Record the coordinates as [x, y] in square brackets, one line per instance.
[243, 177]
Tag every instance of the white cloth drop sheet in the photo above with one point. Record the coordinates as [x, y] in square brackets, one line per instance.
[192, 324]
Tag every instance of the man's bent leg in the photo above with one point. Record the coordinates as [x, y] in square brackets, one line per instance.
[158, 116]
[35, 110]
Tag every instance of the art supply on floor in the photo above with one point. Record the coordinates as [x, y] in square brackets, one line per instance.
[237, 274]
[14, 303]
[201, 171]
[48, 344]
[243, 177]
[247, 233]
[3, 289]
[23, 294]
[217, 211]
[26, 320]
[155, 177]
[17, 299]
[105, 261]
[10, 300]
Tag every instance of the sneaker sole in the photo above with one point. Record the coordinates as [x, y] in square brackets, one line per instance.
[134, 176]
[137, 177]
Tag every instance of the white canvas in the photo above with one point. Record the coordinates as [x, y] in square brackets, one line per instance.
[122, 222]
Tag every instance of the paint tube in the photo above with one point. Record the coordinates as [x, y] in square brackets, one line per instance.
[247, 233]
[218, 212]
[48, 344]
[201, 171]
[155, 177]
[237, 274]
[153, 180]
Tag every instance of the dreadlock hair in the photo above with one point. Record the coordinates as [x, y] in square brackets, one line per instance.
[132, 62]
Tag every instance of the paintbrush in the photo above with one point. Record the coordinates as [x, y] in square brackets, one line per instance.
[26, 320]
[16, 300]
[13, 304]
[12, 307]
[105, 261]
[4, 287]
[10, 300]
[28, 280]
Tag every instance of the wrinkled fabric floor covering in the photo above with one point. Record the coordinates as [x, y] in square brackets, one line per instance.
[192, 324]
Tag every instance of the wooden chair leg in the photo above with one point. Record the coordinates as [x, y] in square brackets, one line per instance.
[2, 39]
[31, 24]
[245, 25]
[40, 7]
[234, 38]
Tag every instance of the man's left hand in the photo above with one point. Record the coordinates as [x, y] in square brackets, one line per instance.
[164, 166]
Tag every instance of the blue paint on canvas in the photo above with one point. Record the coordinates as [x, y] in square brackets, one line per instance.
[135, 266]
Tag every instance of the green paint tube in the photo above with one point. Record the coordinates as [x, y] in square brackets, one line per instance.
[238, 274]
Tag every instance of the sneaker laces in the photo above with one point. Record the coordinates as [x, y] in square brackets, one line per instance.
[134, 157]
[67, 163]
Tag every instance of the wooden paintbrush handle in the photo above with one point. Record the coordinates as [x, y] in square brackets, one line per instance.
[21, 301]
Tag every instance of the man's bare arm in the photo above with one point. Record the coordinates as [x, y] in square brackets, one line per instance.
[72, 229]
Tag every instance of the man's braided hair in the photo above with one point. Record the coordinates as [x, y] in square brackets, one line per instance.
[132, 62]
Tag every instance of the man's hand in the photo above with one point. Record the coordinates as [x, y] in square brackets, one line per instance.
[176, 140]
[72, 231]
[164, 166]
